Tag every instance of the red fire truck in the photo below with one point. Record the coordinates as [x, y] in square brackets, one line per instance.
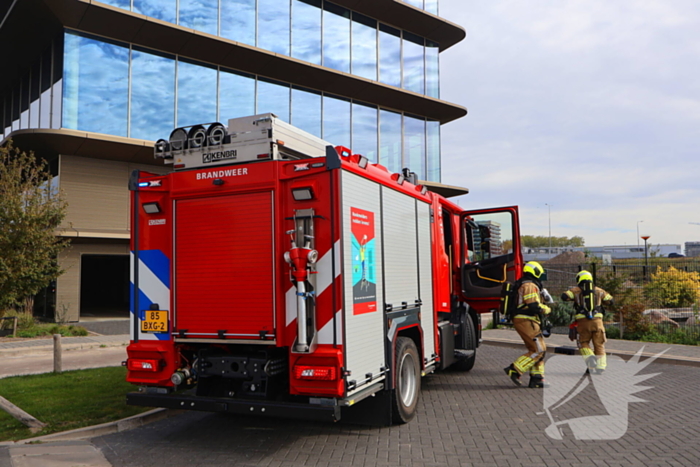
[277, 275]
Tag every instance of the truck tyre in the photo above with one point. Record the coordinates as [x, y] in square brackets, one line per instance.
[468, 342]
[407, 390]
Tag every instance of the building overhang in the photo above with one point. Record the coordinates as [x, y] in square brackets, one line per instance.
[48, 144]
[448, 191]
[405, 16]
[114, 23]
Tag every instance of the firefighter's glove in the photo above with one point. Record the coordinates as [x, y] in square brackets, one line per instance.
[545, 310]
[573, 331]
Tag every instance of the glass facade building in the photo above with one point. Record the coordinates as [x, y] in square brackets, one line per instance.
[90, 85]
[88, 82]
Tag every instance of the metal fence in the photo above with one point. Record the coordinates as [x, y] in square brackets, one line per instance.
[660, 297]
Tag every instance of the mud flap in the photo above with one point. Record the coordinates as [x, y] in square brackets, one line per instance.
[373, 411]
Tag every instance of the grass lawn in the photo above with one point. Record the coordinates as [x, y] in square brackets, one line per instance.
[72, 399]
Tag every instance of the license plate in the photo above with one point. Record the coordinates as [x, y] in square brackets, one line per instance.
[155, 321]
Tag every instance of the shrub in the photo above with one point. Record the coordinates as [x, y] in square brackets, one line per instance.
[673, 288]
[635, 323]
[612, 332]
[24, 320]
[562, 313]
[51, 329]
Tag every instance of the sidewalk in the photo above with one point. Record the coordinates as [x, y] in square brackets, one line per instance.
[559, 343]
[11, 348]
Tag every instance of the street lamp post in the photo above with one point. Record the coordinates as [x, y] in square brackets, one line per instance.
[549, 217]
[646, 256]
[638, 235]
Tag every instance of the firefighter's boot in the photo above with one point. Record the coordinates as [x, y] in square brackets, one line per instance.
[513, 374]
[537, 381]
[591, 363]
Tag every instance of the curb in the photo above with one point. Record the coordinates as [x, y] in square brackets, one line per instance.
[569, 350]
[108, 428]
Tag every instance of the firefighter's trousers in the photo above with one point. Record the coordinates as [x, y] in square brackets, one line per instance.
[533, 360]
[592, 330]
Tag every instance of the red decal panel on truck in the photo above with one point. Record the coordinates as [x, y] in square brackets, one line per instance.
[364, 289]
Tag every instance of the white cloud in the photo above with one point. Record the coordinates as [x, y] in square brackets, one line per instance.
[591, 106]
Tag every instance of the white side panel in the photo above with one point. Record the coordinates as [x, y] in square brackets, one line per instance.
[426, 280]
[364, 317]
[400, 263]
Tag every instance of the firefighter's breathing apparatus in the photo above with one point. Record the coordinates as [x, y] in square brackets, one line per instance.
[546, 323]
[509, 305]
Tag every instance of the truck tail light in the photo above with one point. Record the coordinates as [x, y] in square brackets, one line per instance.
[134, 364]
[318, 373]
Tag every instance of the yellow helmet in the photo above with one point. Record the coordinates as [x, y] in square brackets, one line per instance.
[584, 276]
[534, 268]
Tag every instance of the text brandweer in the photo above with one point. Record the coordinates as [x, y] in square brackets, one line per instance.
[222, 173]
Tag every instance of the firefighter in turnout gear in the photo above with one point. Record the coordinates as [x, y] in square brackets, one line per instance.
[528, 321]
[588, 300]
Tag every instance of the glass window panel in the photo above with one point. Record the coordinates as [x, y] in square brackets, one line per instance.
[201, 15]
[364, 130]
[364, 46]
[236, 95]
[34, 94]
[15, 106]
[5, 121]
[415, 3]
[389, 55]
[306, 30]
[152, 95]
[432, 69]
[273, 25]
[125, 4]
[336, 121]
[164, 10]
[96, 86]
[414, 145]
[24, 102]
[45, 100]
[273, 96]
[433, 150]
[57, 86]
[238, 20]
[306, 110]
[413, 63]
[431, 6]
[336, 37]
[196, 94]
[390, 140]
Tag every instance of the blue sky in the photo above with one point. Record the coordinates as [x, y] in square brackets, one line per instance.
[590, 106]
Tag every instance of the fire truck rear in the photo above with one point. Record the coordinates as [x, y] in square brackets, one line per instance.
[277, 275]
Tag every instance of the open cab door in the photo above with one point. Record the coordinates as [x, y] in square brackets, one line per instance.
[491, 255]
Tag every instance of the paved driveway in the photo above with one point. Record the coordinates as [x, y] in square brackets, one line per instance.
[475, 418]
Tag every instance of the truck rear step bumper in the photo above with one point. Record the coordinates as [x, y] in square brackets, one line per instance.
[259, 408]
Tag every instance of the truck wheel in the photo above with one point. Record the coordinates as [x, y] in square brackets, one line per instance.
[405, 397]
[468, 342]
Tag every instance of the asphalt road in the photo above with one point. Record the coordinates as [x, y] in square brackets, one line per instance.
[475, 418]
